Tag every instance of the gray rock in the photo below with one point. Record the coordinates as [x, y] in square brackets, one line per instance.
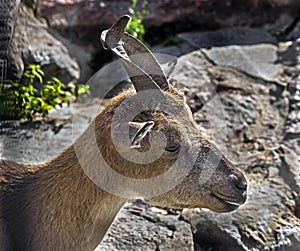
[174, 50]
[293, 119]
[289, 54]
[137, 228]
[110, 80]
[256, 60]
[33, 142]
[31, 43]
[289, 169]
[228, 36]
[264, 223]
[248, 126]
[78, 52]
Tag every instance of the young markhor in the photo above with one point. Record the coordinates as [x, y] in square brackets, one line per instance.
[57, 206]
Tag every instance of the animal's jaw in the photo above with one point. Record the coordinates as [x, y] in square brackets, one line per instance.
[228, 203]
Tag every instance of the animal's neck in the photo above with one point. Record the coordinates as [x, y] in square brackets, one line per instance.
[71, 205]
[86, 209]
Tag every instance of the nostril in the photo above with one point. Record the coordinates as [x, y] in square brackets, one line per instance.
[242, 185]
[239, 182]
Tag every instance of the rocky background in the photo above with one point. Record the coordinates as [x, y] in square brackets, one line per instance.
[248, 51]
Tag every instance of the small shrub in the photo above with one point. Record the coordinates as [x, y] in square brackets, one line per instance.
[135, 27]
[23, 100]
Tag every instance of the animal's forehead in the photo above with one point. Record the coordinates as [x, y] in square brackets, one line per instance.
[174, 105]
[170, 105]
[175, 111]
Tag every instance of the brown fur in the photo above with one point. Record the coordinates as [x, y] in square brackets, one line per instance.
[55, 206]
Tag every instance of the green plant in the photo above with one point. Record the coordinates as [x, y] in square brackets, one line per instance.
[23, 100]
[135, 27]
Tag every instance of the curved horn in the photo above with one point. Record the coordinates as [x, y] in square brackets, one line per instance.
[142, 67]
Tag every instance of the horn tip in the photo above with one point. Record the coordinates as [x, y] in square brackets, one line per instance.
[122, 21]
[125, 17]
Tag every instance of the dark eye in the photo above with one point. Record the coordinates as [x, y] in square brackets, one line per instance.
[173, 149]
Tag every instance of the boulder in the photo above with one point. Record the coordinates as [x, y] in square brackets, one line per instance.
[248, 124]
[142, 227]
[251, 50]
[32, 44]
[227, 36]
[256, 60]
[31, 142]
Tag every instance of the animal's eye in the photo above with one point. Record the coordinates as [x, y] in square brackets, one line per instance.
[173, 149]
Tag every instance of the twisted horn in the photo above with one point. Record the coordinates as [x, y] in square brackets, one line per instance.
[142, 67]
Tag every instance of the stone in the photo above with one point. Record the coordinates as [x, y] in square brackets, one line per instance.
[109, 80]
[247, 126]
[293, 119]
[137, 228]
[256, 60]
[32, 142]
[33, 44]
[292, 125]
[79, 53]
[227, 36]
[174, 50]
[289, 169]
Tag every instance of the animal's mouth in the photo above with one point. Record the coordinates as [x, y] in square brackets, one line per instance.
[230, 202]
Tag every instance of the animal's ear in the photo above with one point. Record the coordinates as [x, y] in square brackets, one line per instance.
[140, 130]
[169, 67]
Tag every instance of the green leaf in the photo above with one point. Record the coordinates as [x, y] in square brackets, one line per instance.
[24, 101]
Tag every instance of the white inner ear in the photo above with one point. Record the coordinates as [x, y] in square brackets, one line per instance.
[145, 128]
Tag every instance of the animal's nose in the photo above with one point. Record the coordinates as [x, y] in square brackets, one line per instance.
[239, 180]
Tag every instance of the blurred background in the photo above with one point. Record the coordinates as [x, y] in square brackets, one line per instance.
[63, 35]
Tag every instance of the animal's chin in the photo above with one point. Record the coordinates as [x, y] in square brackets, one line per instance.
[225, 204]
